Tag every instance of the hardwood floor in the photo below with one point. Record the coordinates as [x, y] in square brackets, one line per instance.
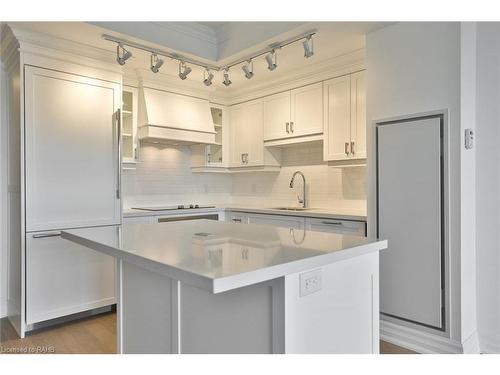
[94, 335]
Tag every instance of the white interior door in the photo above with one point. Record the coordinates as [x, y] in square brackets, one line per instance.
[409, 217]
[337, 118]
[72, 161]
[277, 116]
[358, 115]
[307, 110]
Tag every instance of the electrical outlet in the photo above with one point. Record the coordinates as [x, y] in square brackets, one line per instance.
[310, 282]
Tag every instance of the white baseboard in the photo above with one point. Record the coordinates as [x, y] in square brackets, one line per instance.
[421, 342]
[471, 344]
[489, 344]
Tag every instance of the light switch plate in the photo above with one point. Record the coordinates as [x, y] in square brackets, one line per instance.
[310, 282]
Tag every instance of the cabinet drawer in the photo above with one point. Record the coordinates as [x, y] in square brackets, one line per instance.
[64, 278]
[277, 221]
[337, 226]
[237, 217]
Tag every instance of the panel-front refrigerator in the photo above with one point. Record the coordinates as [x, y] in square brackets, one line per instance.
[72, 180]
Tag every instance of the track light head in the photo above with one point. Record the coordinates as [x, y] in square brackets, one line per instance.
[156, 63]
[247, 70]
[184, 70]
[308, 47]
[208, 77]
[125, 55]
[271, 60]
[227, 81]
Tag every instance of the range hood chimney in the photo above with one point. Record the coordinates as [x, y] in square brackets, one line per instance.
[175, 119]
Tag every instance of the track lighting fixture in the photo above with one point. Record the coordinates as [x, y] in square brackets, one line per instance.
[272, 60]
[227, 80]
[184, 70]
[308, 47]
[208, 77]
[156, 63]
[209, 70]
[125, 55]
[247, 69]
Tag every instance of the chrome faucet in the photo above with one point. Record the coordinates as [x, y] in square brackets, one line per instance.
[303, 200]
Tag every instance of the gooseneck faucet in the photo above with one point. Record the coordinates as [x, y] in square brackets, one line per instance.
[303, 200]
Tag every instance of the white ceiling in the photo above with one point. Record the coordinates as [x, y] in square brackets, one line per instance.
[218, 43]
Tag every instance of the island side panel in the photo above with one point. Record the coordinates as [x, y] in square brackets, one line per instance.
[146, 311]
[246, 320]
[341, 317]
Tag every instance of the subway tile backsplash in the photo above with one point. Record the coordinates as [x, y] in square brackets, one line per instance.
[163, 177]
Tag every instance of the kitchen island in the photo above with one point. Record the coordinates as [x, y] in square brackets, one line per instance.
[206, 286]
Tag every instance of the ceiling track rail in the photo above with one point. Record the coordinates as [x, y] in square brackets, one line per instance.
[174, 56]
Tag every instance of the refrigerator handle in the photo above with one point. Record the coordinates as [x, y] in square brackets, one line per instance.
[119, 152]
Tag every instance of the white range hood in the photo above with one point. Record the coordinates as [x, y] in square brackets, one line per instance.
[170, 118]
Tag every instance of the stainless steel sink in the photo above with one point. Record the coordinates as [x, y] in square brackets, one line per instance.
[290, 208]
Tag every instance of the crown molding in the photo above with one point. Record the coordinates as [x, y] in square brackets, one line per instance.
[335, 67]
[62, 49]
[191, 29]
[9, 47]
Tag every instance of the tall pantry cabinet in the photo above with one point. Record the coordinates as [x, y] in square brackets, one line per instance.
[64, 172]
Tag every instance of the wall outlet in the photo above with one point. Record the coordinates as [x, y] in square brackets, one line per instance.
[310, 282]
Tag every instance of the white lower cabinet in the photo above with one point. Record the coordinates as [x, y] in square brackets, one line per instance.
[282, 221]
[64, 278]
[139, 220]
[357, 228]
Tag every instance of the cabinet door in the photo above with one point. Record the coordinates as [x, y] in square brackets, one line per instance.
[64, 278]
[337, 111]
[239, 135]
[72, 158]
[355, 228]
[277, 220]
[277, 116]
[129, 124]
[358, 115]
[307, 110]
[247, 134]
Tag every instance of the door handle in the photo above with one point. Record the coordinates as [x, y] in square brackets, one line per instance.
[119, 157]
[288, 128]
[45, 235]
[291, 126]
[346, 151]
[332, 223]
[352, 147]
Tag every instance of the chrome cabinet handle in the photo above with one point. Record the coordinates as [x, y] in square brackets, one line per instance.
[288, 128]
[291, 127]
[119, 166]
[236, 220]
[332, 223]
[352, 147]
[45, 235]
[346, 151]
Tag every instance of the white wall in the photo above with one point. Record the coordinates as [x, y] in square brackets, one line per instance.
[488, 185]
[164, 178]
[414, 68]
[327, 187]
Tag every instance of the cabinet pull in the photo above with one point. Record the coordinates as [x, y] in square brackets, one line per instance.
[288, 128]
[45, 235]
[291, 127]
[346, 151]
[236, 220]
[352, 147]
[332, 223]
[119, 135]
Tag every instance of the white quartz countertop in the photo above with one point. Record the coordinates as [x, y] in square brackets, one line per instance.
[220, 256]
[326, 213]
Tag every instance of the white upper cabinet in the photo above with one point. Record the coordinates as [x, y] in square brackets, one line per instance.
[307, 110]
[247, 137]
[345, 117]
[72, 159]
[293, 114]
[129, 124]
[247, 134]
[277, 116]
